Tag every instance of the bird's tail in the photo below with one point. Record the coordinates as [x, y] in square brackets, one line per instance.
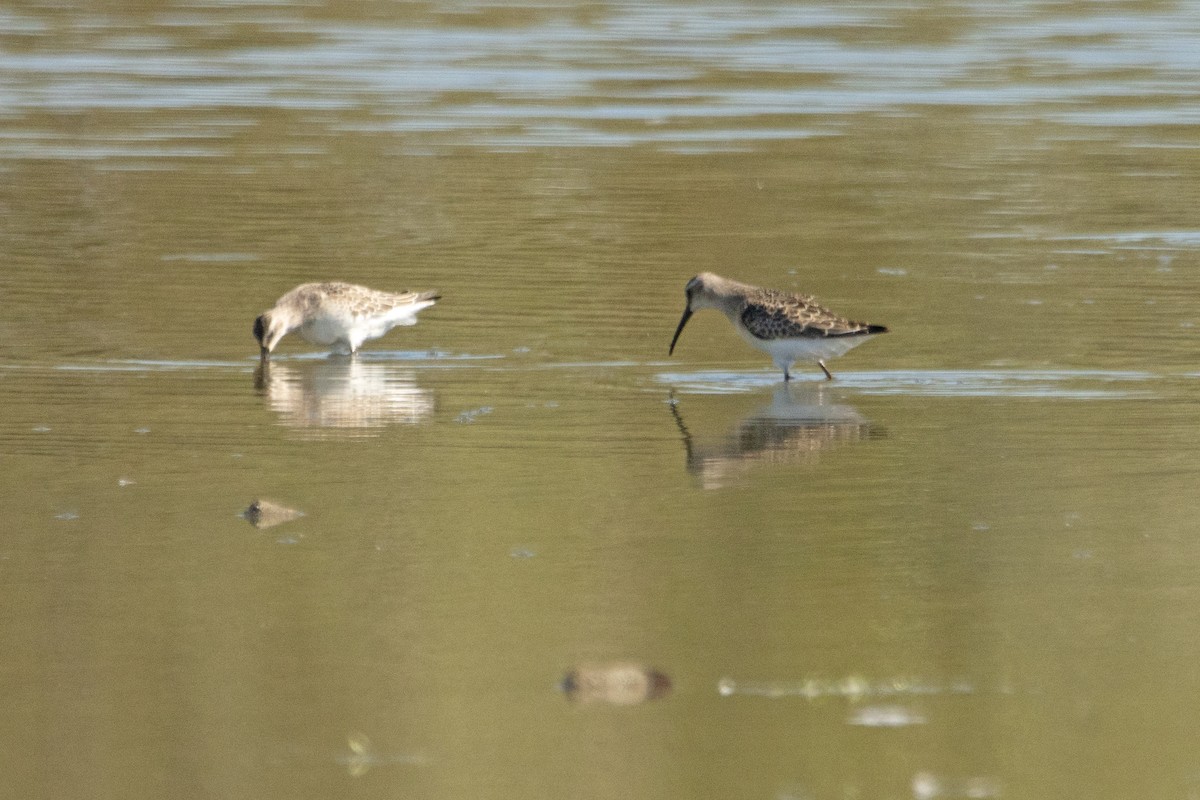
[865, 330]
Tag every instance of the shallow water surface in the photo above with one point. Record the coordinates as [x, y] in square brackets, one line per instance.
[524, 553]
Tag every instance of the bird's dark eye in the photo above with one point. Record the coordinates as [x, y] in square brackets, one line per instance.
[258, 330]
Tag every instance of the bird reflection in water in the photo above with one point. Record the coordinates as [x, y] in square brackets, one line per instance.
[343, 397]
[795, 428]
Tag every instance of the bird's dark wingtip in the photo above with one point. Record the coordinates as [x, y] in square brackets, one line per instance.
[877, 329]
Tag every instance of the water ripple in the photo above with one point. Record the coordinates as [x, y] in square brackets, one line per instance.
[1063, 384]
[669, 76]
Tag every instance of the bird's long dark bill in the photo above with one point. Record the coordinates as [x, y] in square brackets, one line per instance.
[687, 314]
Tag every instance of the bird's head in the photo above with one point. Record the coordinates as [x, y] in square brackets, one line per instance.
[269, 328]
[701, 293]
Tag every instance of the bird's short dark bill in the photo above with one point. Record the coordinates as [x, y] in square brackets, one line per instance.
[687, 314]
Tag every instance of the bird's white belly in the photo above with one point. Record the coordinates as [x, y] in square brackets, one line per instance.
[325, 330]
[787, 351]
[351, 331]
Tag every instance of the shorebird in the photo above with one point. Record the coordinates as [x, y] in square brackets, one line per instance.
[338, 314]
[787, 327]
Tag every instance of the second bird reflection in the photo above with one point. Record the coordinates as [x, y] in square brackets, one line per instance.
[343, 397]
[793, 429]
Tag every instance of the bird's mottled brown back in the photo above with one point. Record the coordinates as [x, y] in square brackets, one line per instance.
[771, 314]
[360, 300]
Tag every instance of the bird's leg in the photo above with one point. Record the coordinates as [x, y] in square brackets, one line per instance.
[786, 375]
[825, 369]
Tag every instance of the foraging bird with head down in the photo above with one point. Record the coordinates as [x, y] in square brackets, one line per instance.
[787, 327]
[339, 314]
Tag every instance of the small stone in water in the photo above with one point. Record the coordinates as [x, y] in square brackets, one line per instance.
[618, 683]
[266, 514]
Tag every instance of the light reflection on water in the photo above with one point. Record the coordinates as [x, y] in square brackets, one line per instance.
[1064, 384]
[670, 75]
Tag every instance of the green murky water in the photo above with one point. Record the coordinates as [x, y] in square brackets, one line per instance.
[967, 568]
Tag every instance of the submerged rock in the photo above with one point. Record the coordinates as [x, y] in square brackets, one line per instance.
[266, 514]
[617, 683]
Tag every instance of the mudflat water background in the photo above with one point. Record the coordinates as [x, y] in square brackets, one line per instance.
[970, 567]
